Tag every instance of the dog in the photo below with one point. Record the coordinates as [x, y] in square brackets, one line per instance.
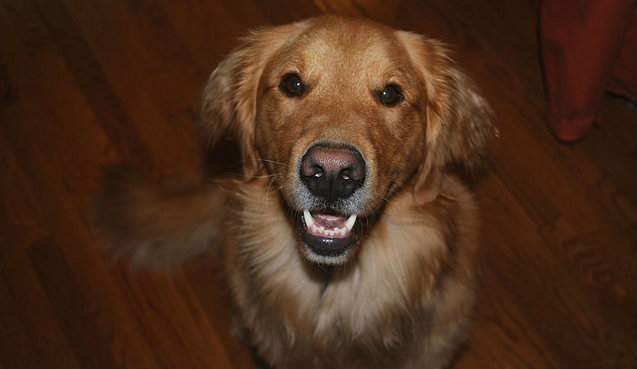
[349, 239]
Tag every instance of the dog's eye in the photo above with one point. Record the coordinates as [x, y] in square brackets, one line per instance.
[391, 95]
[291, 85]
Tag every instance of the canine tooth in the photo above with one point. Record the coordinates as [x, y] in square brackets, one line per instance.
[309, 221]
[350, 222]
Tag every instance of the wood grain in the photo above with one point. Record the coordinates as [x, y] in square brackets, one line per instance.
[84, 84]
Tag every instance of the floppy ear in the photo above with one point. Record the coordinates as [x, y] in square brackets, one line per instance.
[228, 101]
[459, 120]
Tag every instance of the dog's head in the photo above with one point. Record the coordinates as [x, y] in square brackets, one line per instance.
[341, 114]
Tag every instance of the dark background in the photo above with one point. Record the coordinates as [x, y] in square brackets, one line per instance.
[87, 83]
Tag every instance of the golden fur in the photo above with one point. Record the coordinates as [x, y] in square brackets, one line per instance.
[402, 296]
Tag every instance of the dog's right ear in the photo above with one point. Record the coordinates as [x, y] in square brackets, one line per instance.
[228, 101]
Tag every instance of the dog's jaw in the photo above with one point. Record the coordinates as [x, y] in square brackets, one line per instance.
[327, 238]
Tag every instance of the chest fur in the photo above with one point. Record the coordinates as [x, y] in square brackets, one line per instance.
[373, 305]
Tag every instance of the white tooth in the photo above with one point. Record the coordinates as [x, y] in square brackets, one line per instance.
[329, 233]
[314, 228]
[350, 222]
[344, 232]
[321, 229]
[308, 218]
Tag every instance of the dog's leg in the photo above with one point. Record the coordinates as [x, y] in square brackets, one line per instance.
[153, 225]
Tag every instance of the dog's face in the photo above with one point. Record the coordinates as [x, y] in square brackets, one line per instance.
[342, 114]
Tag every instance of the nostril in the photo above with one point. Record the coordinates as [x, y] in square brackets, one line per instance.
[348, 174]
[314, 170]
[355, 170]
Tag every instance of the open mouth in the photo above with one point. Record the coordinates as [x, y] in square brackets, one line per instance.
[328, 234]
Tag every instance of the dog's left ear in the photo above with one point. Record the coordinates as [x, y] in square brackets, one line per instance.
[459, 120]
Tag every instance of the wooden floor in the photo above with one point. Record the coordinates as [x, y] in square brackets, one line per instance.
[84, 84]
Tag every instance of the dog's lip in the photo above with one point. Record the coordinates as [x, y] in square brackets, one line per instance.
[326, 233]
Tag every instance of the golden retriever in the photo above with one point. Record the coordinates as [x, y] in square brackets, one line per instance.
[350, 238]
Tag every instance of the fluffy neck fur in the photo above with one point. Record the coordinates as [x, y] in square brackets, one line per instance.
[374, 305]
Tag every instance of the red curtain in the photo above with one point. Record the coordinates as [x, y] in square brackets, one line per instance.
[589, 47]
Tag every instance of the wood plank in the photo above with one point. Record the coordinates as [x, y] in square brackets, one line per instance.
[105, 335]
[145, 80]
[204, 275]
[177, 329]
[31, 335]
[107, 108]
[77, 316]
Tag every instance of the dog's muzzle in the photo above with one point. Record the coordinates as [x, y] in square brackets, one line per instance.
[333, 176]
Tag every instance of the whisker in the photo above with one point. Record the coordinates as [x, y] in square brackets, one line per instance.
[273, 162]
[263, 176]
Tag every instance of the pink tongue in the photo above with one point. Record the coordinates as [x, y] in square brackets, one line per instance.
[330, 221]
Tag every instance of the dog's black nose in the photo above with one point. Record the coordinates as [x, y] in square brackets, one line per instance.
[332, 172]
